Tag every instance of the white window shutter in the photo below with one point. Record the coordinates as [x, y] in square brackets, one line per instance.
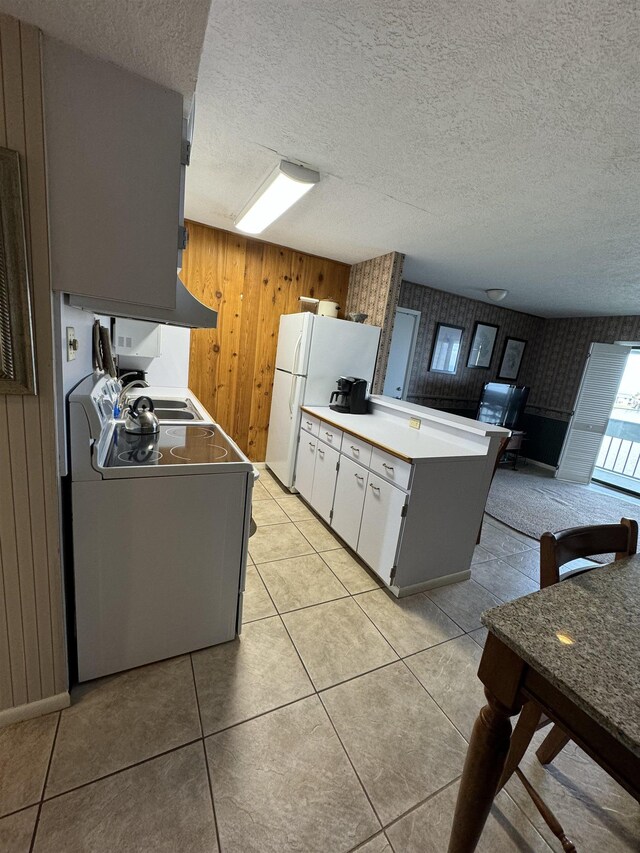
[598, 390]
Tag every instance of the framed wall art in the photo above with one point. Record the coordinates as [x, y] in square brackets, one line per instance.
[446, 348]
[511, 358]
[482, 343]
[17, 368]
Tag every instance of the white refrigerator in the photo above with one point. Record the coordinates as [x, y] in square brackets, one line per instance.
[313, 353]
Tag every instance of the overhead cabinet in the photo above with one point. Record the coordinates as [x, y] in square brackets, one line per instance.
[114, 149]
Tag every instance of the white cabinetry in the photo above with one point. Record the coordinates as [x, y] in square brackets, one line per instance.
[347, 508]
[381, 525]
[305, 464]
[114, 145]
[408, 502]
[364, 509]
[324, 480]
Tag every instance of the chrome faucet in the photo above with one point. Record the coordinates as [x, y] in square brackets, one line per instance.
[137, 383]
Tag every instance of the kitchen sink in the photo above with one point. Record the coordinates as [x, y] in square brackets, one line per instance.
[176, 415]
[173, 404]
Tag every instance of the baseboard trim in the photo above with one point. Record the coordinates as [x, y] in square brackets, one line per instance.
[542, 465]
[432, 583]
[34, 709]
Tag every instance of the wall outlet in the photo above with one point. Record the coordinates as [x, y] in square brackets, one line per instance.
[72, 343]
[415, 423]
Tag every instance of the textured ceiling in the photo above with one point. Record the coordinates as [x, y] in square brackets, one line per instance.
[496, 144]
[158, 39]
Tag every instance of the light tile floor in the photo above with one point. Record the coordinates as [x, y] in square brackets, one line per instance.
[338, 721]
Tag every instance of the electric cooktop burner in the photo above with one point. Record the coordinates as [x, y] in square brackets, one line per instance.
[173, 445]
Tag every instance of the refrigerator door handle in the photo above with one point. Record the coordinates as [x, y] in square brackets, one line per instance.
[296, 354]
[292, 392]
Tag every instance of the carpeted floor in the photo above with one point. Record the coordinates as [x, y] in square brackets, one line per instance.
[533, 502]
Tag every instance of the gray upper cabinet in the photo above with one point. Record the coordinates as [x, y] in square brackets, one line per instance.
[113, 143]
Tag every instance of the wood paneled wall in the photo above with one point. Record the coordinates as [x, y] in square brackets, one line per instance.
[250, 284]
[32, 651]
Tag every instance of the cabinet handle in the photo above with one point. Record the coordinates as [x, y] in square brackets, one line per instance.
[320, 451]
[355, 449]
[309, 424]
[329, 434]
[311, 445]
[375, 488]
[388, 467]
[358, 476]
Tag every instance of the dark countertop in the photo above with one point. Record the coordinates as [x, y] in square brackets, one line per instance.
[583, 635]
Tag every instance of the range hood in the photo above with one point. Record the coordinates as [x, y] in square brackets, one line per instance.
[189, 311]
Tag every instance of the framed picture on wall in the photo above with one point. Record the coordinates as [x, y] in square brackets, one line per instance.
[482, 344]
[511, 358]
[446, 348]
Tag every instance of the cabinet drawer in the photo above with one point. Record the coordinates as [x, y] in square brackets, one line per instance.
[356, 449]
[310, 424]
[391, 468]
[330, 435]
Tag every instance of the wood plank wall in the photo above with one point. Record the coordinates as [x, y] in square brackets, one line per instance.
[32, 650]
[250, 284]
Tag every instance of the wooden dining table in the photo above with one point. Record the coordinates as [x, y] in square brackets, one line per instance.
[574, 649]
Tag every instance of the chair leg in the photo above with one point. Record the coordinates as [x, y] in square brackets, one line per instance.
[552, 745]
[525, 729]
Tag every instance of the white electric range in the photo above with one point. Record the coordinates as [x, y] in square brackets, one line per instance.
[160, 531]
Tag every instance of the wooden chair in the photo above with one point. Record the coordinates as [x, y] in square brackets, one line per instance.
[557, 549]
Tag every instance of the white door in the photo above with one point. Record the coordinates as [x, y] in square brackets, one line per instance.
[598, 390]
[338, 348]
[381, 524]
[324, 480]
[284, 423]
[403, 345]
[351, 488]
[305, 464]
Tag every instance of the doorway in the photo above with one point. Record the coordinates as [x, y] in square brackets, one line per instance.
[401, 353]
[618, 462]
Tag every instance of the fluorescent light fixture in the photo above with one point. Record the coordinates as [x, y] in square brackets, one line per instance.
[284, 186]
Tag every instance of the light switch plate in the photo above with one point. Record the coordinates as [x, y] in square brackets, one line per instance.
[72, 343]
[415, 423]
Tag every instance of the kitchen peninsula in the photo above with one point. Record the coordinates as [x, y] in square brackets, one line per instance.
[404, 486]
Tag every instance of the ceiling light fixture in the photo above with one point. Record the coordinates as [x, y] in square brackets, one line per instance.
[283, 188]
[497, 294]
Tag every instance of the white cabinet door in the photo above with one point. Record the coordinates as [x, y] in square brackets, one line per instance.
[113, 151]
[381, 524]
[324, 480]
[305, 464]
[350, 493]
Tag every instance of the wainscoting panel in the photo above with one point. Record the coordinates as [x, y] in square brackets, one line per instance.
[32, 651]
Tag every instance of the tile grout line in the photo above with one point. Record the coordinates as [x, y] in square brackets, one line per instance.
[357, 775]
[44, 784]
[317, 694]
[204, 752]
[122, 769]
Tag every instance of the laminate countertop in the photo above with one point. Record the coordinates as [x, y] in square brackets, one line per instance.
[431, 442]
[583, 635]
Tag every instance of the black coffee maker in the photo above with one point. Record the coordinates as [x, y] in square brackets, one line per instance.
[351, 396]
